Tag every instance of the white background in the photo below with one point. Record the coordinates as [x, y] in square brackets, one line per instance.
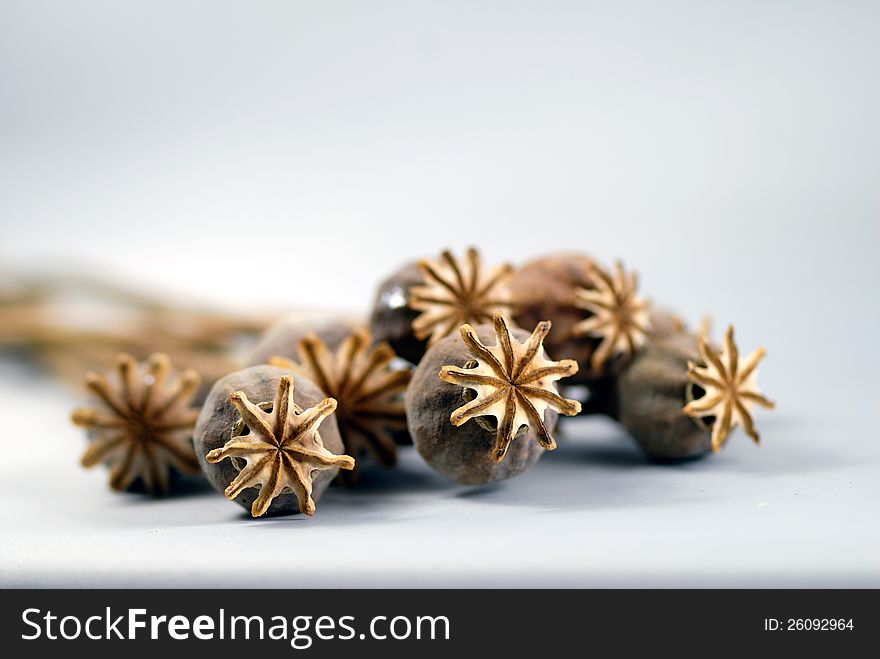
[290, 154]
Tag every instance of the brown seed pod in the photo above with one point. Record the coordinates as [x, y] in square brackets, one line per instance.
[282, 338]
[651, 392]
[415, 309]
[546, 288]
[679, 398]
[141, 423]
[488, 414]
[258, 440]
[391, 318]
[369, 390]
[598, 316]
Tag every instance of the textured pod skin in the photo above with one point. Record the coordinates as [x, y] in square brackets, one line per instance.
[651, 393]
[281, 339]
[391, 318]
[463, 453]
[544, 289]
[219, 416]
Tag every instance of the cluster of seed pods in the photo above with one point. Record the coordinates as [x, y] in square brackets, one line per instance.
[471, 364]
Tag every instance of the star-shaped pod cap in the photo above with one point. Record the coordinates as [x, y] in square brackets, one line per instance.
[514, 383]
[457, 291]
[141, 424]
[730, 386]
[282, 449]
[619, 316]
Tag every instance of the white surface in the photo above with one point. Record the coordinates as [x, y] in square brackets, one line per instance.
[294, 153]
[802, 510]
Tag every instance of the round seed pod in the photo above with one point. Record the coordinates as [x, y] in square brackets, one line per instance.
[391, 318]
[282, 338]
[429, 300]
[651, 394]
[546, 288]
[600, 318]
[221, 420]
[445, 419]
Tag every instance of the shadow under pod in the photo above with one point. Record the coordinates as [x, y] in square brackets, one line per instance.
[405, 478]
[271, 518]
[181, 487]
[595, 467]
[479, 491]
[618, 452]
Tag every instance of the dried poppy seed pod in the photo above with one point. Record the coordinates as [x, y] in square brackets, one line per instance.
[430, 300]
[604, 321]
[481, 403]
[282, 338]
[391, 318]
[680, 398]
[141, 423]
[267, 439]
[546, 288]
[650, 395]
